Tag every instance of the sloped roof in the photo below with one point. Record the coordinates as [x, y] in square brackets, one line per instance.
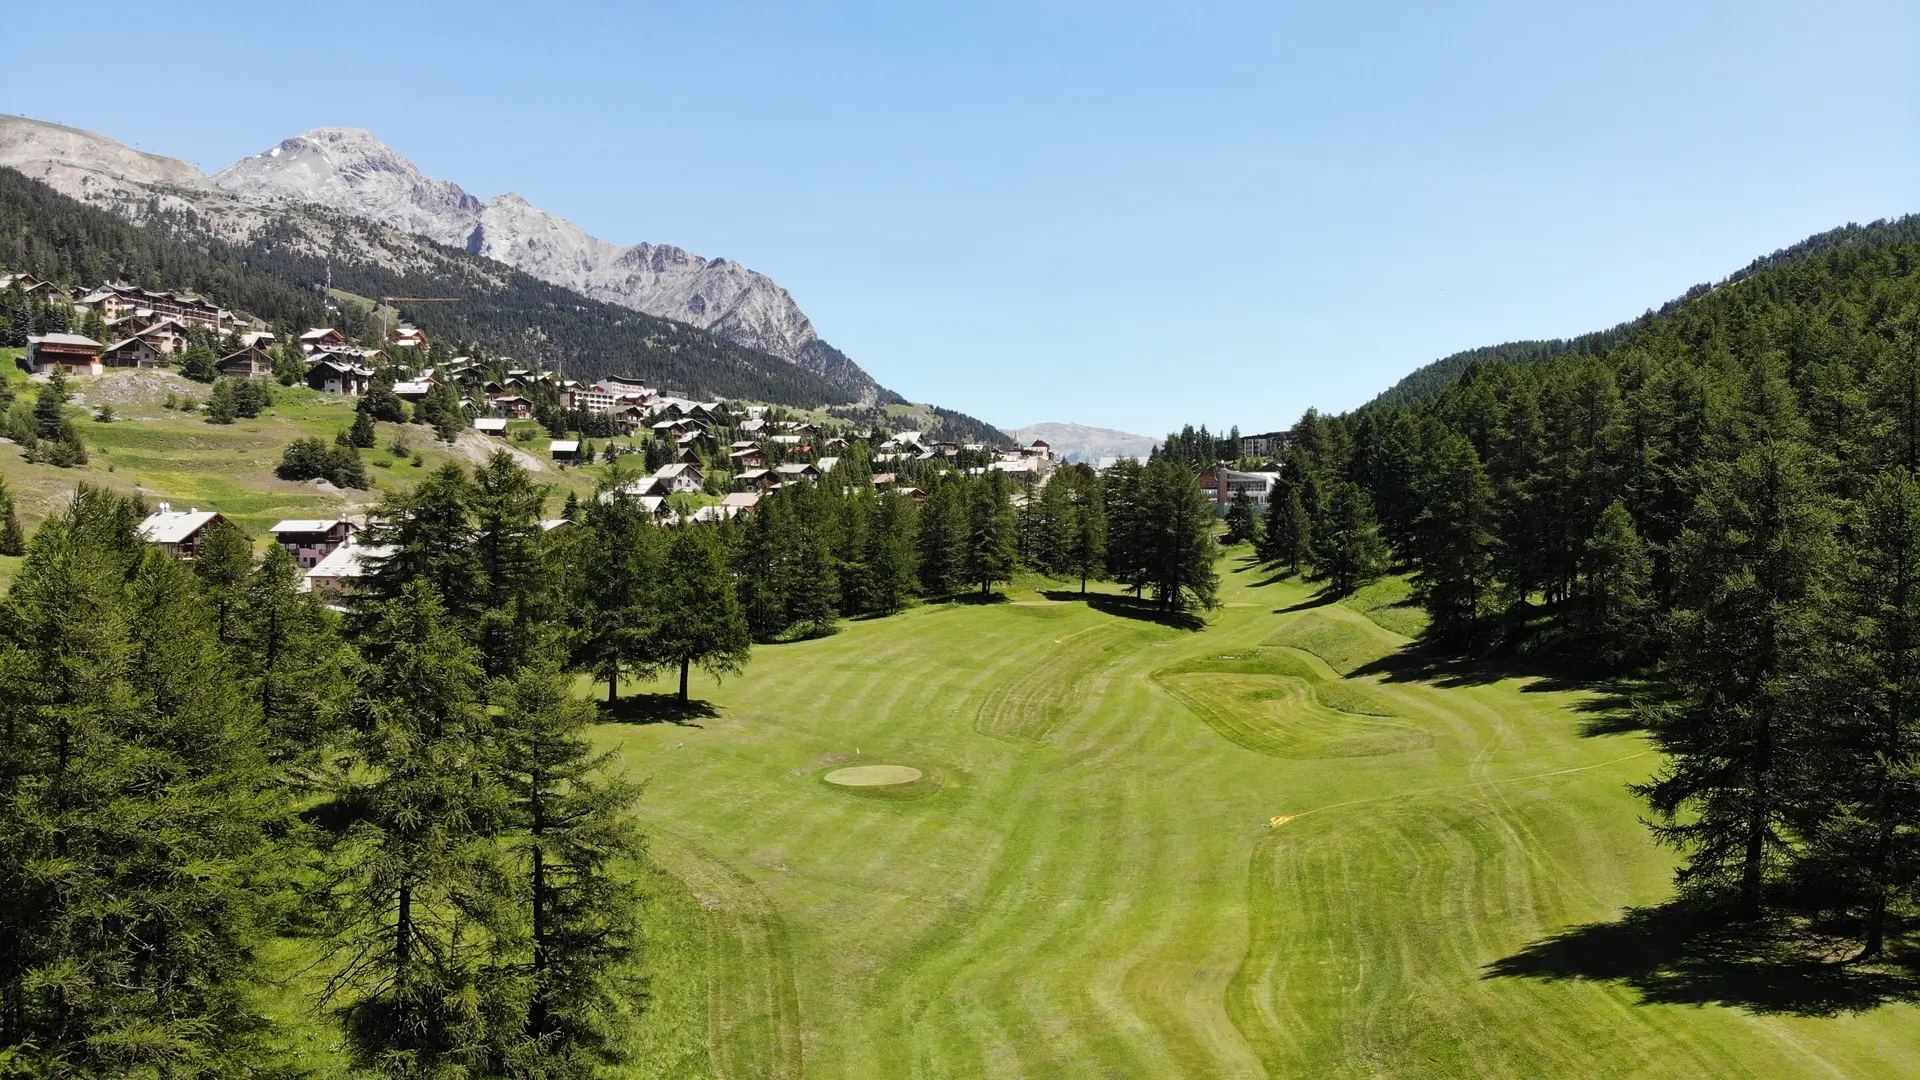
[174, 526]
[304, 525]
[346, 560]
[62, 339]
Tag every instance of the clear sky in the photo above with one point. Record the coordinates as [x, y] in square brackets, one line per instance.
[1112, 213]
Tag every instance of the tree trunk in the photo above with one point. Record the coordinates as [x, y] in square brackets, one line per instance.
[1083, 583]
[402, 956]
[613, 684]
[684, 664]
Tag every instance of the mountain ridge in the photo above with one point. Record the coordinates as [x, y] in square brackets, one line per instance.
[348, 171]
[1428, 380]
[1080, 442]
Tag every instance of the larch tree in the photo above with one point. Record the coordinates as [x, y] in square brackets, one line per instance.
[1348, 548]
[700, 622]
[1745, 666]
[414, 882]
[573, 950]
[1865, 806]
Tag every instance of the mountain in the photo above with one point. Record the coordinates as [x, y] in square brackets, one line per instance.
[302, 188]
[1077, 442]
[1429, 380]
[271, 274]
[352, 172]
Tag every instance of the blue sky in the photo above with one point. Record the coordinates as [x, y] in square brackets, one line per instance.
[1125, 215]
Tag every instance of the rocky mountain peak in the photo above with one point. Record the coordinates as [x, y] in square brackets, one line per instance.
[352, 171]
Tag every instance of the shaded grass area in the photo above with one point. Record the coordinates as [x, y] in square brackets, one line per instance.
[1678, 954]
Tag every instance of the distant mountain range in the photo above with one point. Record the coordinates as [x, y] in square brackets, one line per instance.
[1077, 442]
[349, 172]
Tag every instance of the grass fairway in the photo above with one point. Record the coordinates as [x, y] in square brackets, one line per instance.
[1088, 880]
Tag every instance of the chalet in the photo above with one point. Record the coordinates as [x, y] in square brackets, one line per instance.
[512, 406]
[179, 532]
[247, 363]
[742, 502]
[564, 449]
[797, 470]
[256, 339]
[753, 427]
[406, 337]
[757, 479]
[322, 339]
[883, 481]
[309, 541]
[414, 389]
[343, 567]
[335, 376]
[169, 334]
[74, 354]
[490, 425]
[629, 417]
[704, 514]
[133, 352]
[641, 485]
[31, 286]
[1039, 448]
[680, 476]
[748, 458]
[826, 465]
[919, 497]
[550, 524]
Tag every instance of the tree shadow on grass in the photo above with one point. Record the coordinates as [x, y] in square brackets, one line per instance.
[1128, 607]
[1680, 954]
[978, 599]
[656, 709]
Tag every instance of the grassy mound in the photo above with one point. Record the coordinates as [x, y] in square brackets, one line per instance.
[1345, 646]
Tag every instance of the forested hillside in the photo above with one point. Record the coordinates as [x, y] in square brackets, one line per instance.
[1726, 500]
[275, 276]
[1425, 382]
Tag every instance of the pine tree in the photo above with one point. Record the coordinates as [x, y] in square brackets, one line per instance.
[1454, 542]
[413, 882]
[223, 564]
[990, 554]
[1179, 538]
[569, 836]
[362, 433]
[1864, 811]
[1743, 668]
[700, 618]
[430, 535]
[505, 505]
[290, 655]
[1129, 523]
[197, 362]
[1086, 549]
[222, 403]
[1616, 584]
[127, 755]
[1240, 519]
[943, 538]
[617, 580]
[1348, 549]
[1289, 533]
[893, 552]
[13, 538]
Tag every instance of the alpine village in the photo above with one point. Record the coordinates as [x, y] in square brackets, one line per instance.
[389, 695]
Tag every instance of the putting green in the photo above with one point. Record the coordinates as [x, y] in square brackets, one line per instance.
[873, 775]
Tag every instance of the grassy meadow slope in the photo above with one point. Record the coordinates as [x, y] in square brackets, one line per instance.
[175, 455]
[1090, 880]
